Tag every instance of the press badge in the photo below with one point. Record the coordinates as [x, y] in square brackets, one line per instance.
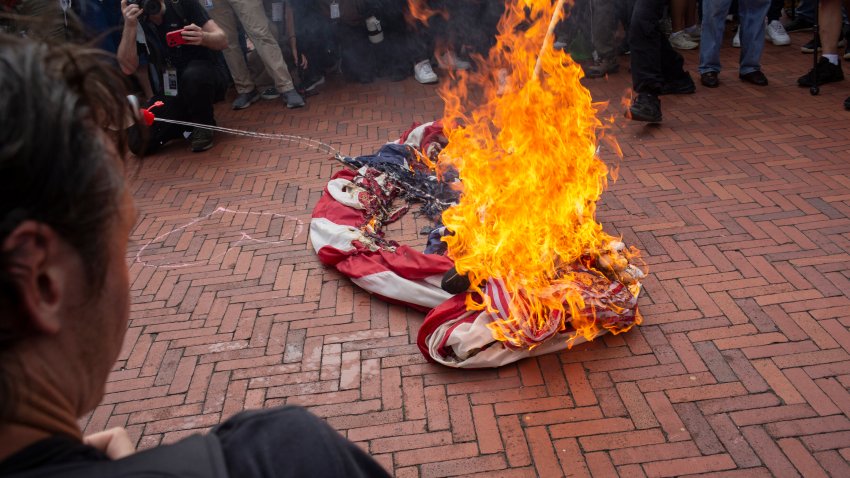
[277, 12]
[169, 81]
[334, 10]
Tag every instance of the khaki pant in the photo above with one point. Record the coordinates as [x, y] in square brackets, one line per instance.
[256, 24]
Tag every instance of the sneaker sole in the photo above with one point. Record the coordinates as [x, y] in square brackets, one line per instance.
[251, 102]
[630, 115]
[201, 150]
[781, 42]
[292, 107]
[602, 74]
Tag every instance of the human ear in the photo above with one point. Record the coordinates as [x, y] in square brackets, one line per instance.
[35, 268]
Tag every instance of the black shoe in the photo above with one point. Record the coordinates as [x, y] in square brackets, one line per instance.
[799, 25]
[682, 86]
[847, 104]
[646, 107]
[602, 68]
[815, 43]
[755, 77]
[709, 79]
[826, 73]
[810, 46]
[201, 139]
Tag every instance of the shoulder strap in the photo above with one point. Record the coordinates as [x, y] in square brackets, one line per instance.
[178, 9]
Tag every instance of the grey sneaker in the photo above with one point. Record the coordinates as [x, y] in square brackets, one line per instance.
[270, 93]
[202, 139]
[245, 100]
[602, 67]
[293, 99]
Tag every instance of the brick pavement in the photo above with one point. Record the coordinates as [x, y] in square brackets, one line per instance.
[740, 203]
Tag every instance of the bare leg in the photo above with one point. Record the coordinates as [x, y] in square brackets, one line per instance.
[678, 12]
[829, 25]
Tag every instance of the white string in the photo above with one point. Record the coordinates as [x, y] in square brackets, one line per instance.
[299, 140]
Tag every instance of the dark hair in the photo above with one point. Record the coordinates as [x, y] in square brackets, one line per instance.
[64, 109]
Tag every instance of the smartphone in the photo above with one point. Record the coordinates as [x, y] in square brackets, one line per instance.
[175, 38]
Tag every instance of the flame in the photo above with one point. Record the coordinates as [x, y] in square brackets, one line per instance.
[419, 11]
[525, 147]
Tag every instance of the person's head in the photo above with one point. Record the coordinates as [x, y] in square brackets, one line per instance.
[65, 218]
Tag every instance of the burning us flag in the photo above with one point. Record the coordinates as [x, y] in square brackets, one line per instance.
[524, 144]
[541, 273]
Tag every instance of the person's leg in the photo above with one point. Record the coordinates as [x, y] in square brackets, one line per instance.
[196, 87]
[752, 13]
[256, 25]
[225, 18]
[645, 38]
[604, 25]
[829, 25]
[678, 11]
[774, 12]
[289, 441]
[828, 69]
[603, 15]
[805, 11]
[713, 25]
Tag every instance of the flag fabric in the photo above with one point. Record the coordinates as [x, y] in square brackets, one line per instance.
[345, 231]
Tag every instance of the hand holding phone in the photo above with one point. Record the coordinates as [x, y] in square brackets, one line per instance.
[175, 38]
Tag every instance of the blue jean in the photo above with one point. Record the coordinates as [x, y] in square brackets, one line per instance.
[806, 10]
[752, 13]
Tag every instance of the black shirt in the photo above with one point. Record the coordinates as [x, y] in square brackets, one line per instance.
[283, 442]
[50, 451]
[175, 18]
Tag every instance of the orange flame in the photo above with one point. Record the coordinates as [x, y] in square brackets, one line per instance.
[525, 148]
[418, 10]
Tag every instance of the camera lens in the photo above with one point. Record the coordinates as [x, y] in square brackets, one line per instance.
[151, 7]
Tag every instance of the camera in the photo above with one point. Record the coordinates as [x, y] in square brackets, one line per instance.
[149, 7]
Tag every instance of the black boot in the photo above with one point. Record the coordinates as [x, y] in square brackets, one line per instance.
[645, 107]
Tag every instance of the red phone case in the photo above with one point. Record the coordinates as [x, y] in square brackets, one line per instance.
[175, 38]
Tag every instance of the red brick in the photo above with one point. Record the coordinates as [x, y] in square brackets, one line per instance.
[579, 386]
[591, 427]
[463, 466]
[655, 452]
[516, 447]
[542, 451]
[571, 458]
[639, 411]
[766, 449]
[681, 466]
[667, 417]
[734, 442]
[486, 429]
[801, 458]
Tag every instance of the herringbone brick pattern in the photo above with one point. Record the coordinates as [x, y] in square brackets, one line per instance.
[740, 202]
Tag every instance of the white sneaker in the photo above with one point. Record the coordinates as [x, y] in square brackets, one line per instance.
[424, 73]
[682, 41]
[450, 61]
[776, 33]
[736, 41]
[694, 32]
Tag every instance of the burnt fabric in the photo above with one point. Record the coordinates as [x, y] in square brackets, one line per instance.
[346, 231]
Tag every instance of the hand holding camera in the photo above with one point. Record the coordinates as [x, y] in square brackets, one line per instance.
[131, 11]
